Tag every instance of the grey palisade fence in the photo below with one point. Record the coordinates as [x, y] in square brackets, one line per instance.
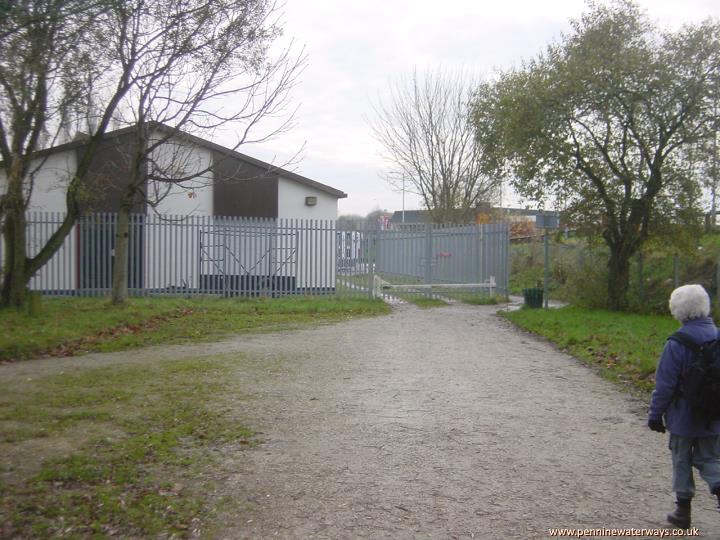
[203, 255]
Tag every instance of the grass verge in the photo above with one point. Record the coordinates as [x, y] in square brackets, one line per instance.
[111, 451]
[625, 347]
[69, 326]
[482, 299]
[127, 450]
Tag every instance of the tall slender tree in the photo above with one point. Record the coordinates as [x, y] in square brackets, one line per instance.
[212, 71]
[50, 64]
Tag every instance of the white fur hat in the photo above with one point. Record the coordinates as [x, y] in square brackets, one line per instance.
[689, 302]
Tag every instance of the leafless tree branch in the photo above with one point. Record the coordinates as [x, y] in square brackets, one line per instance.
[429, 142]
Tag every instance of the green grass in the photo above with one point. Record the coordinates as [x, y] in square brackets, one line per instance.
[481, 299]
[625, 347]
[127, 450]
[75, 325]
[136, 436]
[525, 278]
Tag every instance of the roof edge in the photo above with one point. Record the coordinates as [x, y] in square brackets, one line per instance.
[207, 144]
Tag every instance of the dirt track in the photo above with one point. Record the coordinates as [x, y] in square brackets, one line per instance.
[441, 423]
[444, 423]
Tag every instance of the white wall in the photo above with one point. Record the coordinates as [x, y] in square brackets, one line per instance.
[316, 242]
[172, 242]
[193, 197]
[54, 173]
[51, 176]
[51, 181]
[291, 201]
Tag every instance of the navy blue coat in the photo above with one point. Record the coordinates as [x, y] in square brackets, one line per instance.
[674, 362]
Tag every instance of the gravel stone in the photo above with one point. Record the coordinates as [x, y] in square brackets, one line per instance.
[445, 423]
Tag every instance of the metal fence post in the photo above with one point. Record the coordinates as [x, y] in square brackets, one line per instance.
[478, 253]
[546, 277]
[506, 269]
[376, 258]
[428, 256]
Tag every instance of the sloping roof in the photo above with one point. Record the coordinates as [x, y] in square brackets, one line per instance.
[210, 146]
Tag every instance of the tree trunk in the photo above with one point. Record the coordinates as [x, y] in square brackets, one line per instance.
[120, 262]
[14, 291]
[618, 277]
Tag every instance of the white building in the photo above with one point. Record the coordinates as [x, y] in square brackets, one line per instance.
[208, 219]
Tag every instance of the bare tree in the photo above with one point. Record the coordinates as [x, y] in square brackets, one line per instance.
[192, 64]
[350, 221]
[428, 138]
[213, 71]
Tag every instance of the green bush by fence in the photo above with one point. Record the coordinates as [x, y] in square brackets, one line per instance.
[578, 271]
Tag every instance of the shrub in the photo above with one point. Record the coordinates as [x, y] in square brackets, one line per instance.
[578, 272]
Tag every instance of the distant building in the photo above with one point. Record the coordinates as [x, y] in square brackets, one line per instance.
[409, 217]
[522, 220]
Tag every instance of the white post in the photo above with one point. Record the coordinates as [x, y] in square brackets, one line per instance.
[403, 199]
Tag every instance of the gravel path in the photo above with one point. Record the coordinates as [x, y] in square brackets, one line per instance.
[440, 423]
[444, 423]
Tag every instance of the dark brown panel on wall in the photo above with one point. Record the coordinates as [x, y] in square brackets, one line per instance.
[242, 189]
[108, 176]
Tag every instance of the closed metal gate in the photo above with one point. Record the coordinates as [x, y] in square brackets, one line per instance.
[425, 259]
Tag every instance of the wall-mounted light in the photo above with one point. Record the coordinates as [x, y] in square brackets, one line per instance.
[310, 201]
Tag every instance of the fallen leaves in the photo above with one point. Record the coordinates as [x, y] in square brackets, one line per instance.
[86, 343]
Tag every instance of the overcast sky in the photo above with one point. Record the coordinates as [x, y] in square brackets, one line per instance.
[356, 48]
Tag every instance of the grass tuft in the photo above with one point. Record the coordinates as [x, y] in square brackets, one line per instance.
[160, 423]
[424, 302]
[483, 300]
[71, 326]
